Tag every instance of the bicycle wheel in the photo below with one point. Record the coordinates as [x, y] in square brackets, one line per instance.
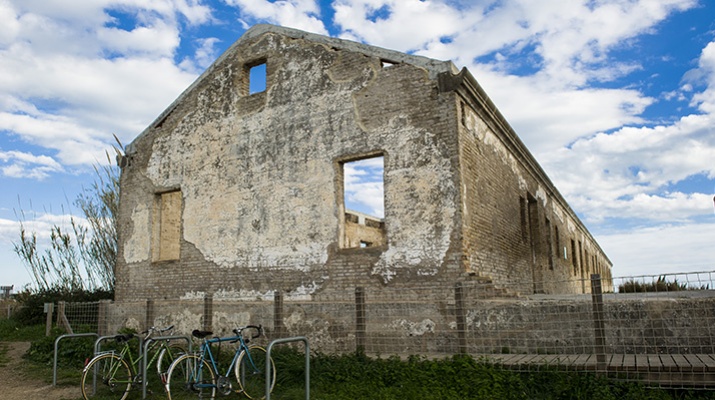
[251, 372]
[167, 355]
[106, 376]
[190, 377]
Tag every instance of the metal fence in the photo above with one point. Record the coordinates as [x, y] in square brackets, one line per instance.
[656, 329]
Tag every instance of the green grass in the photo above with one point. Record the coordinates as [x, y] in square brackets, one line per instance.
[356, 376]
[12, 330]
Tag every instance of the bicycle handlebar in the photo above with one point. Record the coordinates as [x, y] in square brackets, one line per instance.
[258, 328]
[154, 329]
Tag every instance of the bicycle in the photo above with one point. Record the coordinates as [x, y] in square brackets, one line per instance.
[112, 374]
[197, 375]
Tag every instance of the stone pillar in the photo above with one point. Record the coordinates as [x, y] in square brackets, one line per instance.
[598, 322]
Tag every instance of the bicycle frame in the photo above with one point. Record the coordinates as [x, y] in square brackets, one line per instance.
[206, 350]
[126, 354]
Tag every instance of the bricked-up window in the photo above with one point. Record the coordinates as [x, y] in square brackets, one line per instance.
[573, 257]
[362, 223]
[523, 213]
[549, 243]
[166, 241]
[257, 77]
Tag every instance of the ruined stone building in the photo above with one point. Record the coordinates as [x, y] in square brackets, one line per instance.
[237, 193]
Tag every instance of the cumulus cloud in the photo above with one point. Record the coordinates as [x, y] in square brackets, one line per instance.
[364, 186]
[299, 14]
[630, 170]
[71, 77]
[15, 164]
[662, 249]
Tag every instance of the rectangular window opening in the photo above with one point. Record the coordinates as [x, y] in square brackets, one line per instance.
[387, 63]
[257, 78]
[574, 261]
[522, 212]
[363, 198]
[557, 240]
[549, 243]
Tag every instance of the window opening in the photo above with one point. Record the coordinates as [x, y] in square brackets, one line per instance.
[257, 78]
[363, 222]
[522, 210]
[574, 261]
[387, 63]
[549, 243]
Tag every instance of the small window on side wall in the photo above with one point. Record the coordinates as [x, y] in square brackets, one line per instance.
[363, 199]
[257, 78]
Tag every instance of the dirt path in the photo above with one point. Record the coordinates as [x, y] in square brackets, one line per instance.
[15, 385]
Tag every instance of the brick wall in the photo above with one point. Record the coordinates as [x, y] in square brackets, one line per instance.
[261, 178]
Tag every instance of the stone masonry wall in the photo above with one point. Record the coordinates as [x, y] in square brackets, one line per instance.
[260, 182]
[516, 226]
[261, 177]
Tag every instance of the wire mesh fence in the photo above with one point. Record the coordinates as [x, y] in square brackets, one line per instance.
[654, 329]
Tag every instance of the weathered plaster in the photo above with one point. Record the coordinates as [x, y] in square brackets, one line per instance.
[138, 246]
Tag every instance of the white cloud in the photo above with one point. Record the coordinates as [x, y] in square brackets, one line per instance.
[364, 186]
[25, 165]
[206, 53]
[60, 92]
[159, 39]
[397, 24]
[705, 74]
[547, 117]
[299, 14]
[630, 170]
[663, 249]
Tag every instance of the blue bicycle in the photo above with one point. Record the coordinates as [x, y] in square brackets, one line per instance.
[197, 375]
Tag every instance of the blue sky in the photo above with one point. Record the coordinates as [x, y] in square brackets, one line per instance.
[615, 98]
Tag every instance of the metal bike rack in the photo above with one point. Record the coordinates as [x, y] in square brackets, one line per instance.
[57, 342]
[97, 345]
[101, 339]
[307, 363]
[146, 348]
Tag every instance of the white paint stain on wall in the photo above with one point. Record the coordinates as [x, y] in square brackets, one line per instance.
[138, 247]
[412, 328]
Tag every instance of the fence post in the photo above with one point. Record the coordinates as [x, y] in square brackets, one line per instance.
[102, 317]
[360, 319]
[461, 320]
[49, 310]
[598, 322]
[149, 317]
[62, 318]
[278, 313]
[208, 312]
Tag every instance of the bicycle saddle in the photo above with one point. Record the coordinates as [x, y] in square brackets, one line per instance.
[201, 334]
[124, 338]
